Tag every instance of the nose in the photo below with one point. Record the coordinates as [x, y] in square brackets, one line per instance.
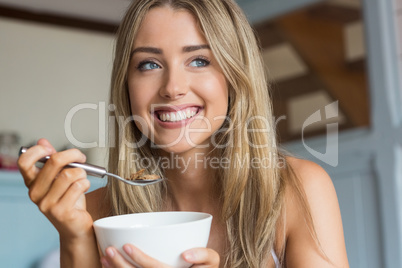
[174, 86]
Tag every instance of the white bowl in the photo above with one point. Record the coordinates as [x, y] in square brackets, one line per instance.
[162, 235]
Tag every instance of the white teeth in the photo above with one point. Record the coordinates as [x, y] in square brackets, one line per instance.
[177, 116]
[182, 115]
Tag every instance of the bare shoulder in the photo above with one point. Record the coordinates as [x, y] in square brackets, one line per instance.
[316, 186]
[96, 202]
[323, 209]
[315, 180]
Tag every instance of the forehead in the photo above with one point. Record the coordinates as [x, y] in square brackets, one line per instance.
[164, 24]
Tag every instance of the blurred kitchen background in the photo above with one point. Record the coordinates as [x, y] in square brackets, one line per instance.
[334, 67]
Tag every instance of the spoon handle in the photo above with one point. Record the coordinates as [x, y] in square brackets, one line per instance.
[90, 169]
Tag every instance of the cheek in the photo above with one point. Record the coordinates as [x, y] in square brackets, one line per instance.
[135, 104]
[216, 91]
[140, 97]
[223, 96]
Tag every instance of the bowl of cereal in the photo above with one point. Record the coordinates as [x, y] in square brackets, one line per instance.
[161, 235]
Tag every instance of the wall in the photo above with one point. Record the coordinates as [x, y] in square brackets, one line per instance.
[47, 70]
[368, 175]
[44, 72]
[398, 20]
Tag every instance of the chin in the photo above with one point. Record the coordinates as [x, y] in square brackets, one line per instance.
[182, 147]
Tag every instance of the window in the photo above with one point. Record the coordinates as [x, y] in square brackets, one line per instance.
[316, 56]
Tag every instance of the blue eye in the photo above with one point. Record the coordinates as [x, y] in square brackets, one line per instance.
[148, 65]
[199, 63]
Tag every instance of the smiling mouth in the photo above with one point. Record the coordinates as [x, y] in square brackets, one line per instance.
[177, 116]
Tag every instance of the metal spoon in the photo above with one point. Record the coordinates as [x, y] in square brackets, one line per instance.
[98, 171]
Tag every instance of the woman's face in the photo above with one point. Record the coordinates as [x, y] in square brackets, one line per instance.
[178, 93]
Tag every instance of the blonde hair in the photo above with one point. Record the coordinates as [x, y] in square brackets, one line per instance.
[252, 198]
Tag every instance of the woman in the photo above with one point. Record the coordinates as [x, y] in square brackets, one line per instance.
[190, 97]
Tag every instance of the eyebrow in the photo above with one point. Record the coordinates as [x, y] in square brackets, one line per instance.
[155, 50]
[194, 48]
[152, 50]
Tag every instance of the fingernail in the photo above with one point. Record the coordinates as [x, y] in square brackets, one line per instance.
[189, 256]
[110, 252]
[127, 249]
[105, 262]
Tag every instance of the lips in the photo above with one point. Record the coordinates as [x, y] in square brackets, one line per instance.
[176, 114]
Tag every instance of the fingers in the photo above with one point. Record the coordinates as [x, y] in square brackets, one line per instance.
[26, 162]
[39, 181]
[113, 258]
[69, 184]
[75, 192]
[54, 165]
[46, 143]
[140, 258]
[202, 257]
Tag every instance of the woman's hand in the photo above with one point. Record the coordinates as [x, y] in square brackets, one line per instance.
[59, 195]
[58, 192]
[202, 257]
[199, 257]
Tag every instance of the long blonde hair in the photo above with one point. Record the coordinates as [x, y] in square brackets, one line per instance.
[252, 197]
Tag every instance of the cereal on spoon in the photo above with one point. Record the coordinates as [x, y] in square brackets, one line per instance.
[141, 176]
